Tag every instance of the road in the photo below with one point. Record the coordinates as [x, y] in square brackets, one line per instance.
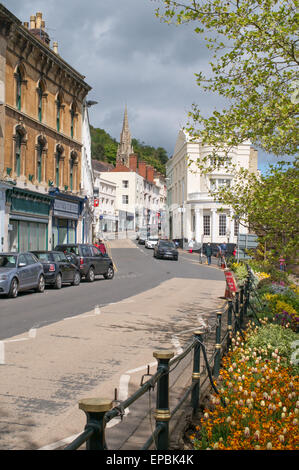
[137, 271]
[61, 346]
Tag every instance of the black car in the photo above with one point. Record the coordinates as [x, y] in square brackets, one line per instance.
[58, 269]
[166, 249]
[89, 260]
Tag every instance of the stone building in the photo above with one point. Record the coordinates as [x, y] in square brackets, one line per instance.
[41, 137]
[193, 212]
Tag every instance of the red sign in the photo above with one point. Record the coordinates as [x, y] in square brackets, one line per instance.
[230, 281]
[96, 203]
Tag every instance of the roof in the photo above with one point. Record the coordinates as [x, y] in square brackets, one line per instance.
[101, 166]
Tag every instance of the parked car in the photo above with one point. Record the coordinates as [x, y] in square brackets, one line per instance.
[151, 242]
[142, 238]
[57, 269]
[166, 249]
[89, 259]
[20, 272]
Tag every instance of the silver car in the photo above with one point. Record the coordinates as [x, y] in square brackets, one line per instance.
[19, 272]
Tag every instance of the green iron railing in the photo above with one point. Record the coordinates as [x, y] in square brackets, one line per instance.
[100, 411]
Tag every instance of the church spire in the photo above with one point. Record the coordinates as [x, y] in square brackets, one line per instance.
[125, 146]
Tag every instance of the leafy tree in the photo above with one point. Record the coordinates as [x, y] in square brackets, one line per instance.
[255, 68]
[269, 205]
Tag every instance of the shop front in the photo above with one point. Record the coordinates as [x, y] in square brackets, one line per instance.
[28, 220]
[65, 222]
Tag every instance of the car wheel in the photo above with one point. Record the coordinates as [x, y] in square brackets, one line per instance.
[58, 281]
[41, 284]
[90, 275]
[77, 279]
[110, 273]
[14, 288]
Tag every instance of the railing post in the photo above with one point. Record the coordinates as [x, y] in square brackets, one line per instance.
[196, 371]
[95, 409]
[162, 414]
[216, 369]
[241, 304]
[237, 309]
[229, 323]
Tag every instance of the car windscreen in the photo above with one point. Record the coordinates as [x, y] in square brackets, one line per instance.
[167, 245]
[59, 257]
[43, 256]
[8, 261]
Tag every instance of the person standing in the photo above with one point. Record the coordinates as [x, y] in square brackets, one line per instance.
[209, 252]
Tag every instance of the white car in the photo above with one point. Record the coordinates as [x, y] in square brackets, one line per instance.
[151, 242]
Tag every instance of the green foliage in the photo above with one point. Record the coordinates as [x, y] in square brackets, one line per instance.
[269, 205]
[278, 337]
[255, 68]
[104, 148]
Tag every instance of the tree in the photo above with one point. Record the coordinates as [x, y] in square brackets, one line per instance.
[255, 68]
[268, 204]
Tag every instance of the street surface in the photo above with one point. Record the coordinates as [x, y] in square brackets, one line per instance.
[85, 341]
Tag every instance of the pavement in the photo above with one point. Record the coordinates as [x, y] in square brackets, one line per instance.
[45, 372]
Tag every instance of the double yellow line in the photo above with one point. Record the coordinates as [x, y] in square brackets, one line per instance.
[108, 250]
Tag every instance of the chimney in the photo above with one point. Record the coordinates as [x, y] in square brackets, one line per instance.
[133, 162]
[55, 47]
[32, 22]
[150, 173]
[43, 25]
[38, 23]
[142, 169]
[26, 24]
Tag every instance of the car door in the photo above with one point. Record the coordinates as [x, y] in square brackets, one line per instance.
[23, 272]
[65, 267]
[33, 269]
[98, 260]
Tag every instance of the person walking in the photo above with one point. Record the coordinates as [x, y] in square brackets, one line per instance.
[209, 252]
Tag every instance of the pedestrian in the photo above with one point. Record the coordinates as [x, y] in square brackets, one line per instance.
[209, 252]
[223, 249]
[100, 245]
[235, 251]
[282, 264]
[191, 245]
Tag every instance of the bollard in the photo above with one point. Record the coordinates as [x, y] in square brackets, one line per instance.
[229, 323]
[216, 369]
[196, 372]
[95, 409]
[162, 414]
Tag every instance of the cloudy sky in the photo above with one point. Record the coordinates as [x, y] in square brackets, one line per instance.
[129, 57]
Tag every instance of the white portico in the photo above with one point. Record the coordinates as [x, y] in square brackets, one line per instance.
[193, 212]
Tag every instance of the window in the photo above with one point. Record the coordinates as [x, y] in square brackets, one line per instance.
[223, 182]
[125, 183]
[86, 251]
[58, 112]
[57, 169]
[22, 260]
[73, 113]
[18, 88]
[40, 92]
[222, 224]
[71, 173]
[30, 259]
[206, 225]
[18, 153]
[236, 227]
[125, 199]
[40, 149]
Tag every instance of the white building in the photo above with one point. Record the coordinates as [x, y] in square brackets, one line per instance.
[105, 214]
[193, 212]
[87, 179]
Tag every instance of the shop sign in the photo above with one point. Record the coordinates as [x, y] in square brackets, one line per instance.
[66, 209]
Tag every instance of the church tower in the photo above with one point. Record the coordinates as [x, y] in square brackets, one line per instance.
[125, 148]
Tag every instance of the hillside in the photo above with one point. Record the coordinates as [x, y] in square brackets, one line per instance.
[104, 148]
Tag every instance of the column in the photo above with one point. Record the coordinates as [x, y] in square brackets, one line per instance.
[231, 227]
[214, 226]
[198, 218]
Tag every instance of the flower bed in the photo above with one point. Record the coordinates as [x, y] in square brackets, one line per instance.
[259, 385]
[258, 380]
